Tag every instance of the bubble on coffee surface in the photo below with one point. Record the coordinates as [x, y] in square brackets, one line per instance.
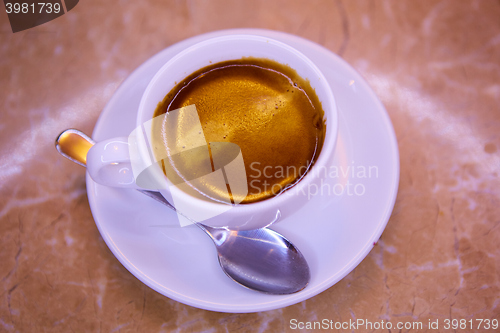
[251, 102]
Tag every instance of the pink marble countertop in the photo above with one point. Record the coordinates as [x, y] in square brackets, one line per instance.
[435, 65]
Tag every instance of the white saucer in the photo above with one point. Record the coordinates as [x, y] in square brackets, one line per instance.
[334, 232]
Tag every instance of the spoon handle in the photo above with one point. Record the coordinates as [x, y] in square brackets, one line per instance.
[74, 145]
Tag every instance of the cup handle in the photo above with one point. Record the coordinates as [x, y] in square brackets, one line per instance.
[108, 163]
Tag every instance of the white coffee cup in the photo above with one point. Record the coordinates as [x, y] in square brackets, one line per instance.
[109, 162]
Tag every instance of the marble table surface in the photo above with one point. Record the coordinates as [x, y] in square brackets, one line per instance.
[435, 65]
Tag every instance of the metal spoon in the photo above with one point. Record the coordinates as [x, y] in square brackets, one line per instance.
[259, 259]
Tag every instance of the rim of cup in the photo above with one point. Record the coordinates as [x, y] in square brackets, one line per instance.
[151, 98]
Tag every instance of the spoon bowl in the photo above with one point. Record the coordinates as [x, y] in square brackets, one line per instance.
[259, 259]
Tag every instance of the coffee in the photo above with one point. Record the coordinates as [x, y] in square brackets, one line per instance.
[265, 108]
